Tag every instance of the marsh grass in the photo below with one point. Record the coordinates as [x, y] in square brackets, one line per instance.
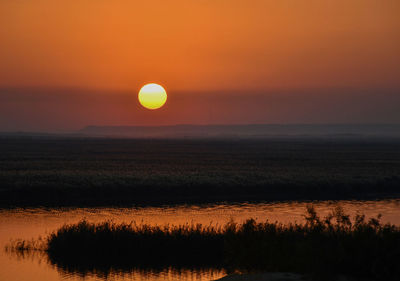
[57, 172]
[328, 246]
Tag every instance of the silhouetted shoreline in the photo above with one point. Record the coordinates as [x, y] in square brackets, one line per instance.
[246, 131]
[150, 196]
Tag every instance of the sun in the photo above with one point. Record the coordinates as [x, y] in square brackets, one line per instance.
[152, 96]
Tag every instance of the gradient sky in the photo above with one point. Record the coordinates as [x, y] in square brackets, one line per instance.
[68, 64]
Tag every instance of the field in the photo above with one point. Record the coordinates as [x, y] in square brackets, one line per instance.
[72, 171]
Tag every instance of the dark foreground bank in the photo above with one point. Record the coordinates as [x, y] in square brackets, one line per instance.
[323, 247]
[54, 171]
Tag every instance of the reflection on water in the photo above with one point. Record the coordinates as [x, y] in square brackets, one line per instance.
[32, 223]
[149, 274]
[32, 262]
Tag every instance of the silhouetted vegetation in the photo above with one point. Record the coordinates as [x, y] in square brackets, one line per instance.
[44, 171]
[325, 247]
[322, 246]
[143, 245]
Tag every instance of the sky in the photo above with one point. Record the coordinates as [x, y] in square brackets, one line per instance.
[68, 64]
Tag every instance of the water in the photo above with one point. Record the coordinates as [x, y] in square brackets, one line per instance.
[32, 223]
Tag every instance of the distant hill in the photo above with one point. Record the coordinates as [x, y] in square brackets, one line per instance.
[244, 131]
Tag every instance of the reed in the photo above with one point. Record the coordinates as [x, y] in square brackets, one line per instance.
[329, 246]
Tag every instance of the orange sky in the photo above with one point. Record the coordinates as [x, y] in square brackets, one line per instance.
[226, 50]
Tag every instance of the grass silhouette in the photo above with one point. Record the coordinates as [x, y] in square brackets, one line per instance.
[335, 244]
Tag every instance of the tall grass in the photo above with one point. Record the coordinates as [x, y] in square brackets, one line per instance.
[335, 244]
[329, 246]
[118, 244]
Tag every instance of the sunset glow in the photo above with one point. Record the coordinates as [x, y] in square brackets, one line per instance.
[269, 101]
[67, 64]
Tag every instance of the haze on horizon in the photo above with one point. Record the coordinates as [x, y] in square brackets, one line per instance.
[65, 65]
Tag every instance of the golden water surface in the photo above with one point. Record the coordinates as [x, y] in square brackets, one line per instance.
[32, 223]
